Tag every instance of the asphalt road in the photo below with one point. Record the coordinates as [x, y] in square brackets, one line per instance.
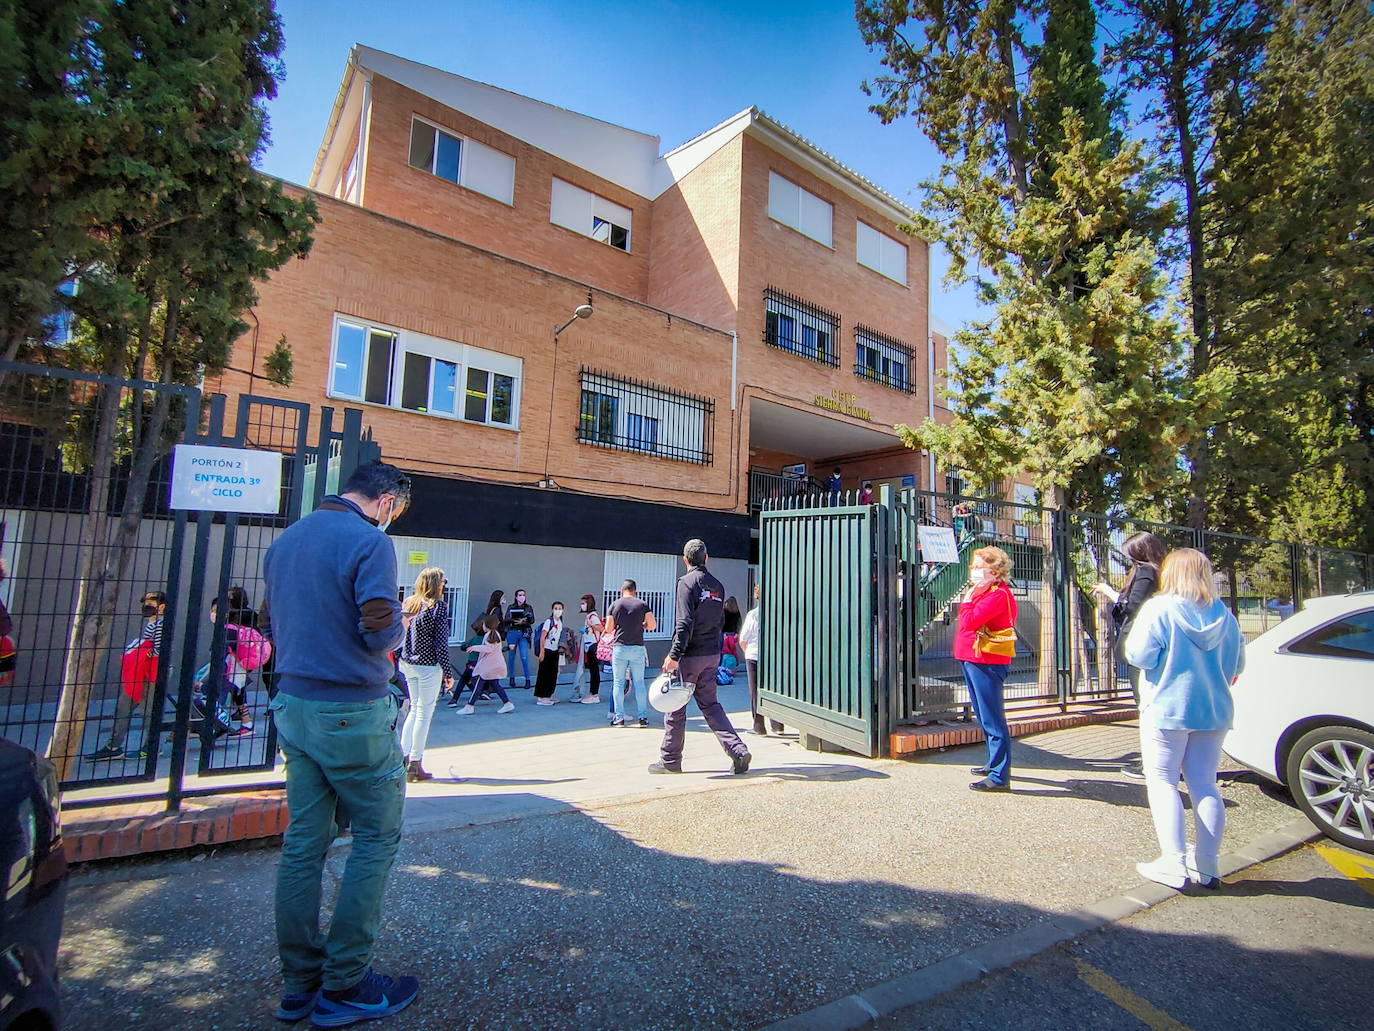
[1287, 945]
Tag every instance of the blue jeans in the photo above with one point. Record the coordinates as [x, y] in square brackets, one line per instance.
[984, 680]
[522, 645]
[338, 754]
[631, 657]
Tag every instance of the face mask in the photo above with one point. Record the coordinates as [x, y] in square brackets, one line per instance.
[557, 613]
[149, 609]
[519, 599]
[382, 524]
[978, 576]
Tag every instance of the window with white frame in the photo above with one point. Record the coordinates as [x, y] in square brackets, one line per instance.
[881, 253]
[789, 204]
[883, 360]
[628, 415]
[423, 374]
[463, 161]
[584, 212]
[655, 578]
[415, 554]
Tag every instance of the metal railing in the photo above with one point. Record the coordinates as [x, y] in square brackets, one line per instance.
[798, 327]
[629, 415]
[881, 359]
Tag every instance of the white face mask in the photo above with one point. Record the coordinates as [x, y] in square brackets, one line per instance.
[978, 576]
[557, 613]
[382, 524]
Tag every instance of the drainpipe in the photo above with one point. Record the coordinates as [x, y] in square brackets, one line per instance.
[930, 400]
[734, 365]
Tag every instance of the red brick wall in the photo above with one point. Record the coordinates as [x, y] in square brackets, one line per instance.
[524, 231]
[376, 268]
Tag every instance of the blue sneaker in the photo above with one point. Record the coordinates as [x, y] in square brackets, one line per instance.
[296, 1006]
[375, 996]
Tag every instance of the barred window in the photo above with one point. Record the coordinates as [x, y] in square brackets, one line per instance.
[792, 325]
[628, 415]
[883, 360]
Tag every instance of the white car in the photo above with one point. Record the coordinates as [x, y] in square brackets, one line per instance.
[1305, 713]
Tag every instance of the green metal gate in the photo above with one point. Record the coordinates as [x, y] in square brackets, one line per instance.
[828, 640]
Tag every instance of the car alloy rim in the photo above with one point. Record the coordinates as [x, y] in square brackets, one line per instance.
[1337, 779]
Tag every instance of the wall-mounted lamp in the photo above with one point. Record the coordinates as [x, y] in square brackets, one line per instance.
[582, 311]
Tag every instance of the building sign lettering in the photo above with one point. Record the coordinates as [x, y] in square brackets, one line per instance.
[845, 404]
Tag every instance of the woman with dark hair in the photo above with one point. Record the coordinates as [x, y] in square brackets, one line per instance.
[729, 630]
[550, 643]
[494, 608]
[1145, 552]
[591, 633]
[519, 624]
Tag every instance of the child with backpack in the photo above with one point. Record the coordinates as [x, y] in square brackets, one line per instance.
[491, 667]
[246, 650]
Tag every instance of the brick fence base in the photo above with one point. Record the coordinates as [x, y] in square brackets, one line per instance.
[129, 830]
[912, 741]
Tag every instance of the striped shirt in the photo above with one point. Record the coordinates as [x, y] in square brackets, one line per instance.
[152, 631]
[426, 639]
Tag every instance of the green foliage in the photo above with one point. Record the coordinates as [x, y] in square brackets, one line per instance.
[1072, 379]
[279, 363]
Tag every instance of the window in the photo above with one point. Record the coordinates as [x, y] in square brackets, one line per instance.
[881, 253]
[414, 554]
[423, 374]
[655, 576]
[789, 204]
[632, 416]
[794, 326]
[465, 162]
[883, 360]
[583, 212]
[362, 363]
[1350, 637]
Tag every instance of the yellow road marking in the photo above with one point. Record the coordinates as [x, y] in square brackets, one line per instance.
[1357, 868]
[1142, 1009]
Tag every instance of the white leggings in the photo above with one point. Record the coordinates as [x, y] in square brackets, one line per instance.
[1197, 754]
[424, 683]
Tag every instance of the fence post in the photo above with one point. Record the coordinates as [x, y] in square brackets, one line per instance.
[1063, 645]
[1295, 575]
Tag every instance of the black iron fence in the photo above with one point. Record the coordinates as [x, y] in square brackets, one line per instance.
[120, 602]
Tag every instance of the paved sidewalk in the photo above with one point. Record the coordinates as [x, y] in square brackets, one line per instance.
[701, 901]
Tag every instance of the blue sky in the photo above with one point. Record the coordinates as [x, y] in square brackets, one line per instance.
[666, 68]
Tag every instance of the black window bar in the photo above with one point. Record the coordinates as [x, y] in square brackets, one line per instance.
[884, 360]
[792, 325]
[628, 415]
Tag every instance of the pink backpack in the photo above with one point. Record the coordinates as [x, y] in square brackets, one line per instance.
[252, 649]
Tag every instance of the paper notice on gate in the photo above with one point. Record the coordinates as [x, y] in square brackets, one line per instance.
[226, 479]
[937, 544]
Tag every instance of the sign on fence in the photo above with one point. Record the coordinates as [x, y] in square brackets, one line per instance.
[937, 544]
[226, 479]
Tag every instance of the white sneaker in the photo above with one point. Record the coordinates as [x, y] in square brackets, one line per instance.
[466, 710]
[591, 699]
[1204, 875]
[1167, 872]
[508, 707]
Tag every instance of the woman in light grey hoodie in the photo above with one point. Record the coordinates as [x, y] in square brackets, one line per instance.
[1189, 648]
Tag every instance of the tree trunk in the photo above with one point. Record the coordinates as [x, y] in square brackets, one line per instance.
[106, 554]
[1048, 666]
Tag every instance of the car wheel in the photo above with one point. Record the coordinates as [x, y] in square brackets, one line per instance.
[1330, 774]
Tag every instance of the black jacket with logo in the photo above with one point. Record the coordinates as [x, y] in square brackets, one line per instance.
[700, 614]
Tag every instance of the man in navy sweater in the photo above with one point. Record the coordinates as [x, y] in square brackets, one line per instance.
[695, 654]
[332, 613]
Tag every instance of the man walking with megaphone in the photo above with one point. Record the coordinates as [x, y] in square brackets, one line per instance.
[695, 655]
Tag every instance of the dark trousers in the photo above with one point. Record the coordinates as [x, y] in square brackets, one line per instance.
[546, 680]
[479, 685]
[984, 680]
[701, 671]
[751, 669]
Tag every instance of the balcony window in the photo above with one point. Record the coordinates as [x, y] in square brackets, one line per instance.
[799, 328]
[628, 415]
[462, 161]
[883, 360]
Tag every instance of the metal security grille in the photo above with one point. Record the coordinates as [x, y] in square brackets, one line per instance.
[629, 415]
[884, 360]
[792, 325]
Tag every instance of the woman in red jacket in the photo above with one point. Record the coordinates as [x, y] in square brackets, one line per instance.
[989, 608]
